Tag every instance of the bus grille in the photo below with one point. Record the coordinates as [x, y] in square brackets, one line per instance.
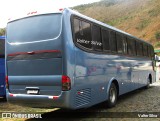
[83, 97]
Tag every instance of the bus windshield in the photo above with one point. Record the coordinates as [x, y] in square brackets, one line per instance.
[34, 28]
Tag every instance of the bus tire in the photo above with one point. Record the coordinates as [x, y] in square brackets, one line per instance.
[112, 96]
[148, 83]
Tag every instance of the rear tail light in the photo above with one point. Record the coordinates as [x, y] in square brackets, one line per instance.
[66, 83]
[7, 86]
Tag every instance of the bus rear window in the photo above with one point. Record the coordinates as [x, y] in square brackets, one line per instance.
[35, 28]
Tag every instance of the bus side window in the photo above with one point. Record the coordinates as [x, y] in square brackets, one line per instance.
[139, 48]
[96, 38]
[119, 43]
[144, 50]
[134, 46]
[152, 53]
[125, 45]
[131, 46]
[82, 33]
[113, 42]
[149, 52]
[105, 39]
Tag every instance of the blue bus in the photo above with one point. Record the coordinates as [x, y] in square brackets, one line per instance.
[2, 67]
[67, 60]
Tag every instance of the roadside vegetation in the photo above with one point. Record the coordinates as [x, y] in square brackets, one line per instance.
[2, 31]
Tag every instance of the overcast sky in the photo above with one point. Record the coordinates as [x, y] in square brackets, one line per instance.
[11, 8]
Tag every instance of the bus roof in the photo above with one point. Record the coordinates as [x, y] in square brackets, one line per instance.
[33, 13]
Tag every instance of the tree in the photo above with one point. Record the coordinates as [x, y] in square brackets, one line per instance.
[2, 31]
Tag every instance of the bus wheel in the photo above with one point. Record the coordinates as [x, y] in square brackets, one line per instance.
[112, 99]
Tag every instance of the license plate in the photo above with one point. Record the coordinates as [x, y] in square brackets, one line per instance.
[32, 91]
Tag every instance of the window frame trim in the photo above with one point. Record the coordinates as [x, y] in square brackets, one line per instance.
[108, 52]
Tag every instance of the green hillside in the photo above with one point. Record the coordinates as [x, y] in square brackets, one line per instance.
[140, 18]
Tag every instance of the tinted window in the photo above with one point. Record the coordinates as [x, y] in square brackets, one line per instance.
[152, 52]
[131, 46]
[82, 32]
[34, 28]
[145, 50]
[149, 51]
[119, 43]
[105, 39]
[96, 38]
[125, 45]
[113, 41]
[139, 48]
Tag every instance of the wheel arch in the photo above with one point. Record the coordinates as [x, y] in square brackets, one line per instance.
[150, 78]
[113, 80]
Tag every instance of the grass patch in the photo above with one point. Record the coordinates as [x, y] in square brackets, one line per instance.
[153, 13]
[157, 45]
[119, 20]
[157, 35]
[143, 24]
